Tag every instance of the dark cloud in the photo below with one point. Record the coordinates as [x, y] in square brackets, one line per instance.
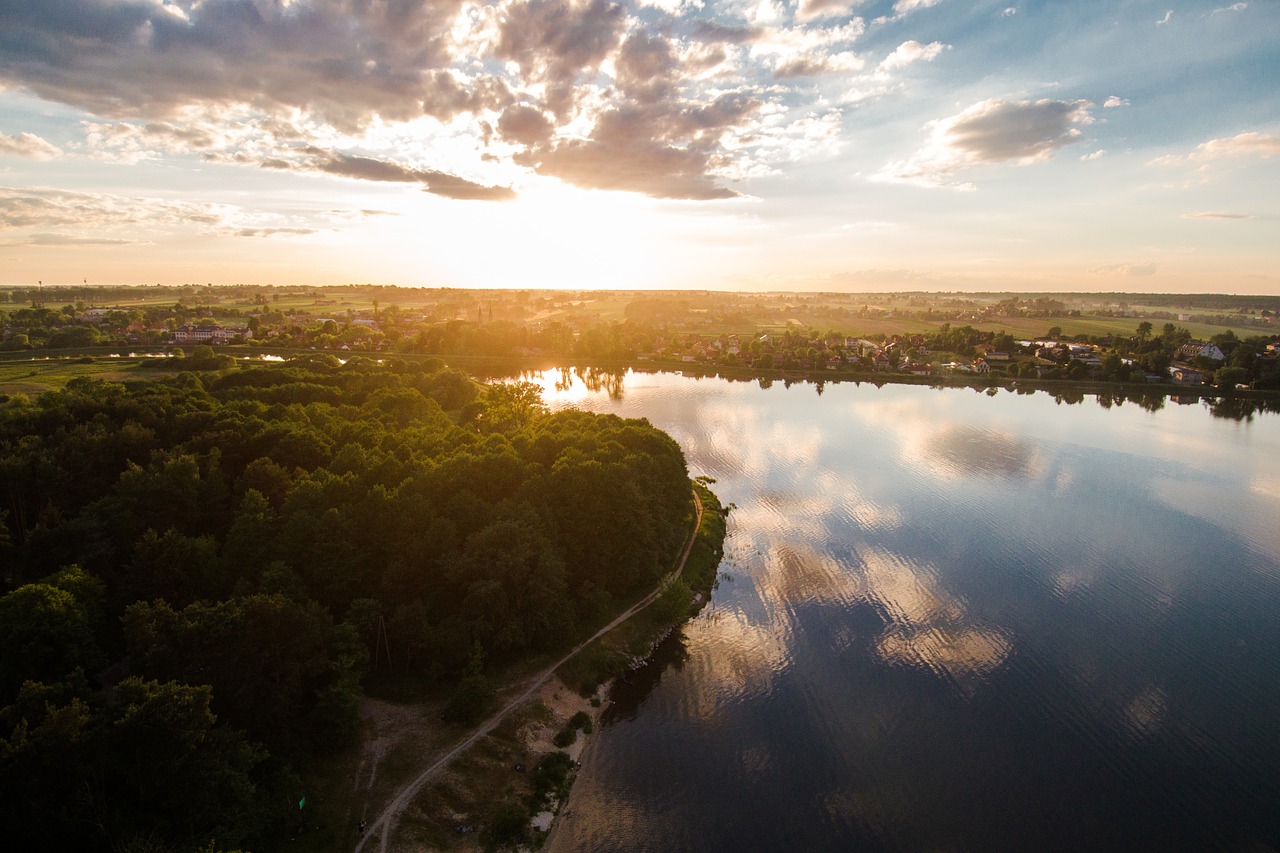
[709, 31]
[628, 150]
[370, 169]
[652, 139]
[993, 131]
[525, 125]
[344, 59]
[556, 41]
[998, 130]
[805, 66]
[257, 82]
[645, 64]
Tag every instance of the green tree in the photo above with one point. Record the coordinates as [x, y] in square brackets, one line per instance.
[474, 694]
[1228, 377]
[46, 631]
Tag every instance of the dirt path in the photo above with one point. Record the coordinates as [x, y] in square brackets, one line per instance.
[384, 826]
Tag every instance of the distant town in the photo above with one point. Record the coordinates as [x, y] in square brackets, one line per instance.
[1226, 342]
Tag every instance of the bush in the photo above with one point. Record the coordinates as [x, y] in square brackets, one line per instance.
[581, 720]
[508, 828]
[550, 779]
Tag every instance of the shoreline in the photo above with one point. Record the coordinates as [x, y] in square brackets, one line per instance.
[528, 728]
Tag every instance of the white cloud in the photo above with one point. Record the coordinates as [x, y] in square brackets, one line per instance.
[115, 216]
[1248, 144]
[811, 10]
[1217, 214]
[912, 51]
[1115, 101]
[1234, 7]
[1168, 16]
[902, 7]
[1141, 270]
[1096, 155]
[1009, 10]
[29, 146]
[992, 131]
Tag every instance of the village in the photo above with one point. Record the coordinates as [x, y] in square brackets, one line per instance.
[902, 336]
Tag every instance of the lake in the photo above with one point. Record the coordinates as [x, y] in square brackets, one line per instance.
[953, 621]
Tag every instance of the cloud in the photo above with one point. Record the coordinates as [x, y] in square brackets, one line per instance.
[902, 7]
[114, 217]
[371, 169]
[525, 125]
[1009, 10]
[810, 10]
[992, 131]
[911, 51]
[1168, 16]
[138, 58]
[68, 240]
[1242, 146]
[629, 149]
[274, 232]
[1096, 155]
[1234, 7]
[256, 82]
[713, 31]
[29, 146]
[50, 208]
[1115, 101]
[1249, 144]
[555, 41]
[1143, 269]
[1217, 214]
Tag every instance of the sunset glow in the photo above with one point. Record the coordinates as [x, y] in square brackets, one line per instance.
[811, 145]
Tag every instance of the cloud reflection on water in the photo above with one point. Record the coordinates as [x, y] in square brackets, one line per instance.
[928, 626]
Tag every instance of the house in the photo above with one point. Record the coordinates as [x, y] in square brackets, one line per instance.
[1210, 351]
[981, 366]
[213, 334]
[1188, 376]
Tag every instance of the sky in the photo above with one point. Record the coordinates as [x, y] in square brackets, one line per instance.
[809, 145]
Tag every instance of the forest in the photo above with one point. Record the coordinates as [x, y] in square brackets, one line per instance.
[200, 569]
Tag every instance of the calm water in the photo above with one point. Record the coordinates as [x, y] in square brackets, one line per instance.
[949, 621]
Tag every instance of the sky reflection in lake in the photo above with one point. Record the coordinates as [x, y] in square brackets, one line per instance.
[958, 621]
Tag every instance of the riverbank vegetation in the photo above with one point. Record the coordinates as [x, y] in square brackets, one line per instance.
[1061, 338]
[200, 569]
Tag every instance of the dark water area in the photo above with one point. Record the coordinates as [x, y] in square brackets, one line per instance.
[954, 621]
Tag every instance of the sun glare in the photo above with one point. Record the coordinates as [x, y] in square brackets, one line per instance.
[554, 236]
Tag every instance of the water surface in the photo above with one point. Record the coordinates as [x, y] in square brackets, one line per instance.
[954, 621]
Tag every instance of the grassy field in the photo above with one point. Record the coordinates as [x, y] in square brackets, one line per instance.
[1018, 327]
[34, 377]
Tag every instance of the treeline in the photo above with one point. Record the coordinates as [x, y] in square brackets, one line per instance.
[200, 569]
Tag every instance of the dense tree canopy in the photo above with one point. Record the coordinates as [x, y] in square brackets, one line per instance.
[198, 569]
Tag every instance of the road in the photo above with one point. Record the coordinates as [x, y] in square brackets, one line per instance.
[384, 826]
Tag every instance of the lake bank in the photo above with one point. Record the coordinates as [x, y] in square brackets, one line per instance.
[505, 782]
